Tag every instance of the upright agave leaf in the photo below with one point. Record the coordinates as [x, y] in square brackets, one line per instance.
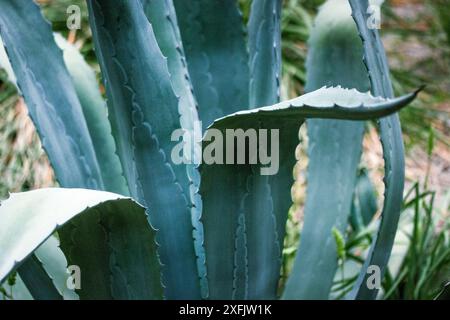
[393, 153]
[161, 14]
[58, 116]
[214, 41]
[45, 273]
[262, 209]
[334, 151]
[144, 111]
[364, 204]
[224, 202]
[29, 218]
[95, 113]
[49, 93]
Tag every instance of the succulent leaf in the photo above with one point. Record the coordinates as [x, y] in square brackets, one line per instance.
[144, 111]
[334, 150]
[393, 153]
[29, 218]
[214, 41]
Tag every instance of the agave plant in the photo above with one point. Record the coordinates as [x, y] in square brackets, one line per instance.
[138, 225]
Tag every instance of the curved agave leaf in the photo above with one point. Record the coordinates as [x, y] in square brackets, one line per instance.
[364, 204]
[334, 151]
[29, 218]
[144, 111]
[210, 28]
[222, 203]
[393, 153]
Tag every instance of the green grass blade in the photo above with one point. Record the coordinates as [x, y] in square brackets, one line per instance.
[144, 111]
[29, 218]
[393, 153]
[334, 151]
[224, 202]
[208, 30]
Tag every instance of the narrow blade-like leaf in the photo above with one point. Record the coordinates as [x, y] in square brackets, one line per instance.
[393, 153]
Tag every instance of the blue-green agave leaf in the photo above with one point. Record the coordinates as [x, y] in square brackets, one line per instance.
[364, 204]
[224, 202]
[94, 111]
[38, 282]
[393, 153]
[262, 209]
[58, 116]
[214, 41]
[264, 42]
[96, 115]
[144, 112]
[45, 273]
[49, 93]
[334, 150]
[29, 218]
[161, 14]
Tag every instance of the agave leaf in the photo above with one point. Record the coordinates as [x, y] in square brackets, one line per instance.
[95, 113]
[37, 280]
[265, 52]
[334, 150]
[58, 116]
[144, 111]
[260, 231]
[393, 153]
[161, 15]
[29, 218]
[208, 29]
[45, 273]
[364, 204]
[49, 94]
[223, 203]
[47, 263]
